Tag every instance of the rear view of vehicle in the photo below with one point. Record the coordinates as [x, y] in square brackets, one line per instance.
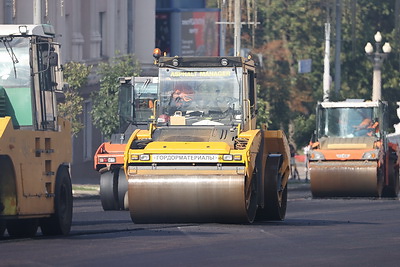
[35, 145]
[135, 108]
[352, 156]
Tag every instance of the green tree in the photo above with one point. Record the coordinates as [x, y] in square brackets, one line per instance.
[292, 30]
[105, 101]
[75, 74]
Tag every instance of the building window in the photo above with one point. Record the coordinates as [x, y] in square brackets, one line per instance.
[102, 33]
[87, 130]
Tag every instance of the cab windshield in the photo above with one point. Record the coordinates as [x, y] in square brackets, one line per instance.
[347, 122]
[14, 62]
[197, 96]
[136, 102]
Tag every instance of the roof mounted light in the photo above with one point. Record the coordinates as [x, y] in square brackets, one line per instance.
[23, 29]
[156, 54]
[224, 62]
[175, 62]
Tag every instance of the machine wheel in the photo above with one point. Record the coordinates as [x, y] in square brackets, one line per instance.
[122, 189]
[392, 189]
[275, 198]
[60, 222]
[22, 227]
[251, 200]
[109, 190]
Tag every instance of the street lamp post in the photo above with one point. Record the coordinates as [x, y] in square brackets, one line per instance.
[377, 59]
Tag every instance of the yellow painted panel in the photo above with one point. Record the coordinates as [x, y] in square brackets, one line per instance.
[187, 147]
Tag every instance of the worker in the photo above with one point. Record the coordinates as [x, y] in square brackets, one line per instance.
[366, 128]
[181, 98]
[294, 173]
[306, 151]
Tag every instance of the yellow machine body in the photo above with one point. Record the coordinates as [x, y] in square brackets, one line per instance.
[27, 190]
[199, 168]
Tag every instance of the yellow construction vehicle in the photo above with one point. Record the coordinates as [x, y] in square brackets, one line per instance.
[203, 159]
[351, 155]
[35, 145]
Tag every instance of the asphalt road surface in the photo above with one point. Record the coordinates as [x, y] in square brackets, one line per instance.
[316, 232]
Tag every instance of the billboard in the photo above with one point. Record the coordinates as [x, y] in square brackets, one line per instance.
[183, 32]
[199, 33]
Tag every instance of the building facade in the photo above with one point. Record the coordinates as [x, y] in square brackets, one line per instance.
[90, 31]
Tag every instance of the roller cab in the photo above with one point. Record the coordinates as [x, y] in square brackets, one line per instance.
[351, 156]
[203, 159]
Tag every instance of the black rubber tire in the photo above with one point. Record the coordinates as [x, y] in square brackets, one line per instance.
[392, 189]
[109, 190]
[275, 198]
[122, 189]
[251, 201]
[22, 227]
[60, 222]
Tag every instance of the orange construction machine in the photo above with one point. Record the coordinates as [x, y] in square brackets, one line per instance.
[351, 156]
[136, 100]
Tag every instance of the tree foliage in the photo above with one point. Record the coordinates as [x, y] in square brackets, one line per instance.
[105, 101]
[75, 74]
[292, 30]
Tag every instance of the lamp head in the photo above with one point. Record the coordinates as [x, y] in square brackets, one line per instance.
[386, 48]
[378, 37]
[369, 48]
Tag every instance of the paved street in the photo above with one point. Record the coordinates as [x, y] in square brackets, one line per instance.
[316, 232]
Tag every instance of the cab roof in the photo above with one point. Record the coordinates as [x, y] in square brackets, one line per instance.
[204, 61]
[350, 104]
[44, 30]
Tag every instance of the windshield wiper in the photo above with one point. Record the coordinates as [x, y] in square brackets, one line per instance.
[6, 41]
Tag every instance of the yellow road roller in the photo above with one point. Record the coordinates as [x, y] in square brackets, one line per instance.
[35, 145]
[202, 159]
[351, 155]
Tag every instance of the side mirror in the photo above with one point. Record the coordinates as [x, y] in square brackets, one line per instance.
[53, 59]
[62, 89]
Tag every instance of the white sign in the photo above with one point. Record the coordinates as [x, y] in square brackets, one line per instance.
[184, 158]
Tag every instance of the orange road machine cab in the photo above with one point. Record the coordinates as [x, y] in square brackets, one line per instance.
[351, 156]
[203, 159]
[35, 144]
[136, 98]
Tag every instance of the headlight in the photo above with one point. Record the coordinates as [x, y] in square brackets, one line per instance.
[232, 157]
[316, 155]
[373, 154]
[144, 157]
[227, 157]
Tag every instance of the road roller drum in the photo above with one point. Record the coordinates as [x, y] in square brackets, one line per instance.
[345, 179]
[188, 198]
